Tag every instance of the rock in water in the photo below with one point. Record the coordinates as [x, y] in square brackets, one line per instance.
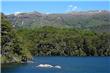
[57, 66]
[48, 66]
[45, 65]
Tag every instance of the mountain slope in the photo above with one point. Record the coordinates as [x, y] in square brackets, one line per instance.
[85, 20]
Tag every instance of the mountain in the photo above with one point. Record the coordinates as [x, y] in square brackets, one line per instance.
[95, 20]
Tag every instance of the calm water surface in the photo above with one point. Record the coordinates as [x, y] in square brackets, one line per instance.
[68, 64]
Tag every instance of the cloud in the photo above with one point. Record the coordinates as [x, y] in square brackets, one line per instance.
[71, 8]
[74, 8]
[16, 13]
[47, 12]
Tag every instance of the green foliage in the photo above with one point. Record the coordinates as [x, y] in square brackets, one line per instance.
[11, 44]
[51, 41]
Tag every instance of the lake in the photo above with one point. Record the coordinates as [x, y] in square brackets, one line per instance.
[68, 65]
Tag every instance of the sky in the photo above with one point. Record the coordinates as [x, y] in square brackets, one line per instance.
[61, 6]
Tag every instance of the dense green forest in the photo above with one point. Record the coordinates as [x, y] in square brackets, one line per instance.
[19, 45]
[13, 48]
[51, 41]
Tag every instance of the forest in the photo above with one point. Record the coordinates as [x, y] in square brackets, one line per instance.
[51, 41]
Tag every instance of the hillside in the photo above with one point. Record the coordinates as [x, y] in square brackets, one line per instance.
[93, 20]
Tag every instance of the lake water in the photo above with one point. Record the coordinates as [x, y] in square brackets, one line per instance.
[68, 65]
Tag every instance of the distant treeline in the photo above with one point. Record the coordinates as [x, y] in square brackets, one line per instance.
[51, 41]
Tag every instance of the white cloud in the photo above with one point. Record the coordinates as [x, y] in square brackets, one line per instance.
[47, 12]
[74, 8]
[70, 6]
[16, 13]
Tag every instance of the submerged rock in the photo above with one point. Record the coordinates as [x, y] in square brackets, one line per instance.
[57, 66]
[45, 65]
[48, 66]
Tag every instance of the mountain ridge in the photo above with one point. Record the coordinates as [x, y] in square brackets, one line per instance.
[81, 19]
